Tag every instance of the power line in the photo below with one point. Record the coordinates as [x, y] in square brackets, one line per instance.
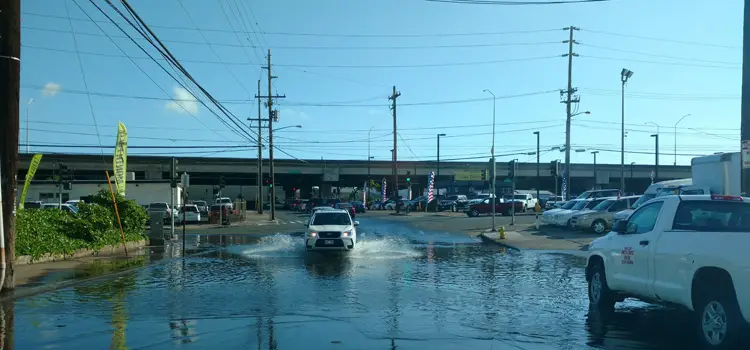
[658, 55]
[357, 35]
[660, 95]
[516, 3]
[661, 63]
[294, 104]
[675, 41]
[53, 145]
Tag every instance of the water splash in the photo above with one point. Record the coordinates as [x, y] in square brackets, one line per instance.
[286, 246]
[275, 246]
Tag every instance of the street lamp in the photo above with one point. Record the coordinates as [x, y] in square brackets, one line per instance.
[368, 153]
[538, 179]
[437, 170]
[625, 74]
[656, 152]
[287, 127]
[675, 137]
[566, 171]
[492, 152]
[594, 153]
[31, 100]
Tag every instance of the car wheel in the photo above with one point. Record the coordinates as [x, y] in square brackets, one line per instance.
[474, 212]
[509, 212]
[454, 209]
[599, 226]
[569, 224]
[525, 208]
[599, 294]
[718, 317]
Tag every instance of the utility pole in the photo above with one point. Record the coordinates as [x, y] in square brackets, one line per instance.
[538, 179]
[259, 200]
[594, 153]
[173, 186]
[393, 98]
[568, 103]
[273, 116]
[745, 109]
[10, 78]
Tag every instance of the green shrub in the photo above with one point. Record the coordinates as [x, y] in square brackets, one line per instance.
[49, 231]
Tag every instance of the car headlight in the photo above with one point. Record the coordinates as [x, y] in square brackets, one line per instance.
[312, 234]
[346, 234]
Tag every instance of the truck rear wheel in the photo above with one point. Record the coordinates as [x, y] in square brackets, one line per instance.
[717, 316]
[599, 294]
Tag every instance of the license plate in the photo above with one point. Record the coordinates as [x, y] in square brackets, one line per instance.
[328, 241]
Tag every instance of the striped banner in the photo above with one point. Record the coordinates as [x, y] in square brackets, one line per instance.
[431, 188]
[384, 189]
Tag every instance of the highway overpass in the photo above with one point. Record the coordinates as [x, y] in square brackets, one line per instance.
[344, 173]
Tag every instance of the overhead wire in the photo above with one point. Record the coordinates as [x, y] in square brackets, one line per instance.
[160, 66]
[164, 51]
[83, 76]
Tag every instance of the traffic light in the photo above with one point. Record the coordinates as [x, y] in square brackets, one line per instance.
[491, 168]
[554, 166]
[512, 169]
[222, 182]
[484, 175]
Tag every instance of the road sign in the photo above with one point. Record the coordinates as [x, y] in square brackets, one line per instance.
[468, 176]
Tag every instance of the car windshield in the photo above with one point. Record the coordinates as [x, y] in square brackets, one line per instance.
[190, 209]
[344, 205]
[323, 218]
[570, 204]
[644, 198]
[158, 205]
[592, 204]
[580, 205]
[225, 200]
[604, 205]
[200, 203]
[519, 196]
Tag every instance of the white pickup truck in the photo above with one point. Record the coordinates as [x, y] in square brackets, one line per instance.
[690, 251]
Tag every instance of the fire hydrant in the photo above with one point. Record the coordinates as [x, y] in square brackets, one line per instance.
[502, 232]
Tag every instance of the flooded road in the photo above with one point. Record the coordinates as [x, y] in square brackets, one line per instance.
[400, 289]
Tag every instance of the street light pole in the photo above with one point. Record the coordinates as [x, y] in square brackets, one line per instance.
[437, 170]
[538, 179]
[492, 151]
[675, 137]
[368, 153]
[594, 153]
[625, 74]
[656, 153]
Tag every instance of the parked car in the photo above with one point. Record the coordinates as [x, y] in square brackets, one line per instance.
[202, 207]
[553, 202]
[189, 213]
[455, 202]
[213, 215]
[359, 207]
[600, 218]
[72, 209]
[165, 209]
[348, 207]
[501, 208]
[564, 218]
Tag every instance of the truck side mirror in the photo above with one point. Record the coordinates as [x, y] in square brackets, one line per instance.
[620, 226]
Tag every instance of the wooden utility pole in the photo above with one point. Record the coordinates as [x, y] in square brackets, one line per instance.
[745, 105]
[393, 98]
[273, 116]
[259, 201]
[568, 104]
[10, 77]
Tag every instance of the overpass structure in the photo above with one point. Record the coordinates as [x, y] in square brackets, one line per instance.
[242, 174]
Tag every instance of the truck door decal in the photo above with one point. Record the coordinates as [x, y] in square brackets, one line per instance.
[627, 256]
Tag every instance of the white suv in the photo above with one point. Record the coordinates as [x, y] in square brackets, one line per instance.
[331, 230]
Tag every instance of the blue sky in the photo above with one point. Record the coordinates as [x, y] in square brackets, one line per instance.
[686, 59]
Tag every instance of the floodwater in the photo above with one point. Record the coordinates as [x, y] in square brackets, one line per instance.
[400, 289]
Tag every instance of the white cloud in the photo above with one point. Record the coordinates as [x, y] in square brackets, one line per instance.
[184, 102]
[293, 114]
[50, 89]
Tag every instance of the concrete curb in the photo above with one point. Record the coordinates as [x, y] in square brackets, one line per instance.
[104, 251]
[25, 292]
[486, 239]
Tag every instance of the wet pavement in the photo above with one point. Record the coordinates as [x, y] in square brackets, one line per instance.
[402, 288]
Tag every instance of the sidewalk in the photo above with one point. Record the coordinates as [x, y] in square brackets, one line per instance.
[528, 238]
